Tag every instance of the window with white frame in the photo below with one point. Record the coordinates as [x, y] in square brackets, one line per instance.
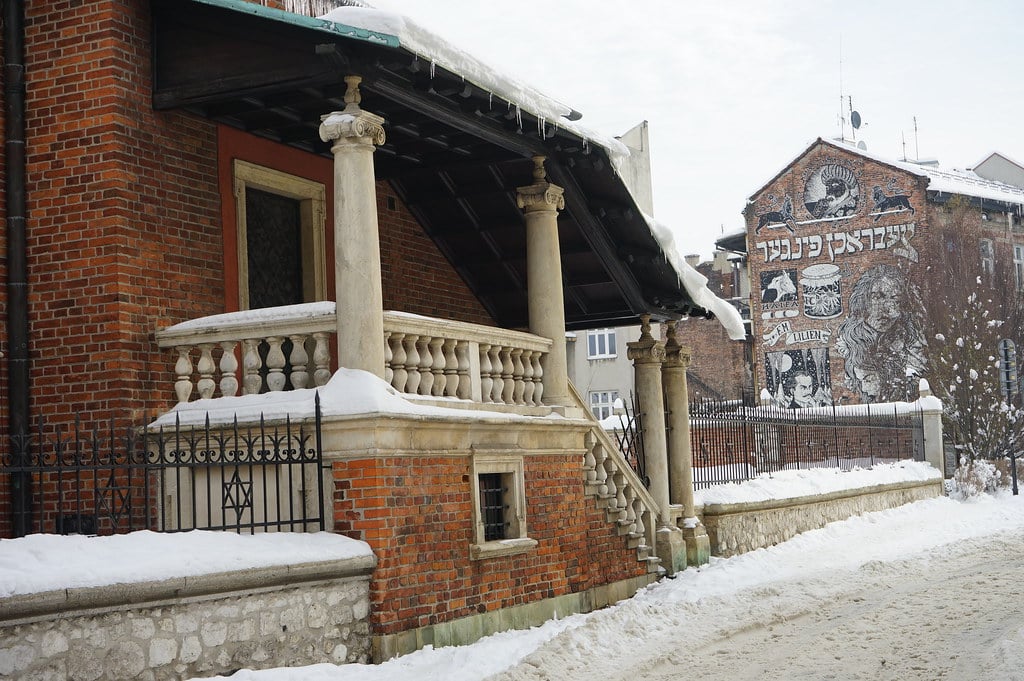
[1018, 265]
[988, 258]
[601, 344]
[602, 401]
[499, 511]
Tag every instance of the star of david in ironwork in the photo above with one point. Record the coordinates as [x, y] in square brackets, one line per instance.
[114, 501]
[237, 494]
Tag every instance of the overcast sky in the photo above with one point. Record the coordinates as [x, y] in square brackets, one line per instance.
[734, 90]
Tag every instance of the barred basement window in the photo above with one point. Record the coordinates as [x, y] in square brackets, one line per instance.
[499, 511]
[493, 505]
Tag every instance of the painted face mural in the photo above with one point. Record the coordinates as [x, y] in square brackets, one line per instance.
[831, 191]
[799, 378]
[882, 338]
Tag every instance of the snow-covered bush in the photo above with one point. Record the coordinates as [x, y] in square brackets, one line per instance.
[980, 476]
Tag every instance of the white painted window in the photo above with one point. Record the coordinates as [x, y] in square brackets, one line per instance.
[1018, 265]
[601, 344]
[601, 402]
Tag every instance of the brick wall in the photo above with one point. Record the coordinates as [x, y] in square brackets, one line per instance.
[785, 321]
[416, 513]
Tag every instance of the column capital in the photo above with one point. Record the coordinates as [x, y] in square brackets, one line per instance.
[647, 350]
[676, 355]
[541, 195]
[352, 123]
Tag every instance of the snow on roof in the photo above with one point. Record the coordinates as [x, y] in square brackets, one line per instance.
[696, 284]
[944, 180]
[437, 51]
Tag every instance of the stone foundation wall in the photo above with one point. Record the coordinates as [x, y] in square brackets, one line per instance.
[212, 624]
[742, 527]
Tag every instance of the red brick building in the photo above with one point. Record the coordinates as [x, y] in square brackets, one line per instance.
[188, 158]
[840, 243]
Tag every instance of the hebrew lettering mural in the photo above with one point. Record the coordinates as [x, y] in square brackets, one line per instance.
[894, 238]
[882, 339]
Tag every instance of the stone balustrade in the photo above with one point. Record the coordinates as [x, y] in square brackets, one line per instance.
[289, 347]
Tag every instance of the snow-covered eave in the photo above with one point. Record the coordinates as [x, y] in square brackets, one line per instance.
[696, 284]
[437, 52]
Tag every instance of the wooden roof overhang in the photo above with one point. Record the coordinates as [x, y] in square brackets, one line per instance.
[454, 153]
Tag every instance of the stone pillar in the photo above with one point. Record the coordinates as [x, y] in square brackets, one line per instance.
[540, 203]
[680, 456]
[931, 415]
[647, 355]
[359, 299]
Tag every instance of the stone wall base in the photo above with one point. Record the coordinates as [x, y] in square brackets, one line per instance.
[738, 528]
[469, 629]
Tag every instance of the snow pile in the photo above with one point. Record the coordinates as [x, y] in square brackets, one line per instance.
[40, 562]
[799, 483]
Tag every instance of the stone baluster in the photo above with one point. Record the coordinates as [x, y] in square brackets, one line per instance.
[206, 367]
[497, 385]
[519, 386]
[299, 360]
[610, 471]
[629, 520]
[465, 386]
[600, 471]
[508, 382]
[638, 513]
[412, 364]
[485, 372]
[400, 376]
[228, 369]
[183, 373]
[389, 372]
[251, 363]
[538, 378]
[437, 368]
[620, 493]
[589, 462]
[528, 385]
[426, 365]
[275, 364]
[451, 368]
[321, 358]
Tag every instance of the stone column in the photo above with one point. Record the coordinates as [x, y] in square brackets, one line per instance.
[359, 299]
[680, 456]
[647, 355]
[540, 203]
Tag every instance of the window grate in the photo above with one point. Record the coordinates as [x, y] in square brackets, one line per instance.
[492, 506]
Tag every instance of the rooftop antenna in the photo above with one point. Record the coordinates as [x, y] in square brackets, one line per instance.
[917, 153]
[842, 120]
[903, 136]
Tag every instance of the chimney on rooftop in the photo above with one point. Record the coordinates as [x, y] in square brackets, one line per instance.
[693, 260]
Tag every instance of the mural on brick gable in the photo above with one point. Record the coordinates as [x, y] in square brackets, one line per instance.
[879, 333]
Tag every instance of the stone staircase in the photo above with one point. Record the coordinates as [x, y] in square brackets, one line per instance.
[619, 491]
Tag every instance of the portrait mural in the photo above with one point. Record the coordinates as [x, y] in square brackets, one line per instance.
[831, 191]
[778, 294]
[799, 378]
[882, 338]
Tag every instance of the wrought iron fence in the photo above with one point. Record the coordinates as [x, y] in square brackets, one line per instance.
[256, 477]
[630, 438]
[734, 443]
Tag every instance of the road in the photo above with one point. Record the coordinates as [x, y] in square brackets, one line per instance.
[954, 613]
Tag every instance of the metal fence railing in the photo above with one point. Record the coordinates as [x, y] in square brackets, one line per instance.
[733, 443]
[254, 477]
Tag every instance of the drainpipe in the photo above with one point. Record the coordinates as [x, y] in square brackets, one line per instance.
[17, 271]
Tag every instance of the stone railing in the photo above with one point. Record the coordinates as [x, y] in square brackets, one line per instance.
[616, 486]
[290, 348]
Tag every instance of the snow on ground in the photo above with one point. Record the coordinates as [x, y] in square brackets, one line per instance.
[889, 540]
[39, 562]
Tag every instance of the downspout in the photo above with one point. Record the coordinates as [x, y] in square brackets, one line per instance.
[17, 271]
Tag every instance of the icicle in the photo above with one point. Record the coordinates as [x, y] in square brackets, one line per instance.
[490, 101]
[432, 66]
[519, 117]
[540, 127]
